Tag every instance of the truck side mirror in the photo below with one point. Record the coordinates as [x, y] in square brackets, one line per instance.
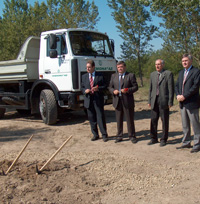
[53, 41]
[53, 53]
[112, 45]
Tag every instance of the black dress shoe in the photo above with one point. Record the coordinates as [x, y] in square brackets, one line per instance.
[105, 139]
[195, 150]
[94, 138]
[152, 142]
[162, 143]
[119, 139]
[134, 140]
[184, 146]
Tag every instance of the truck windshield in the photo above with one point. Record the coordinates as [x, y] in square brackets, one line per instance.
[90, 44]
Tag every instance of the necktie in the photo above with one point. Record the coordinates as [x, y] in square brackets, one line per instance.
[120, 83]
[91, 82]
[185, 76]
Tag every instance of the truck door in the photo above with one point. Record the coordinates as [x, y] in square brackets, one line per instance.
[57, 69]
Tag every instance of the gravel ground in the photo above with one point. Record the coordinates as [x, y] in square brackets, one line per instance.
[87, 172]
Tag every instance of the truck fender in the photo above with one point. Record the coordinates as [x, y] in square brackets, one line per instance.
[36, 89]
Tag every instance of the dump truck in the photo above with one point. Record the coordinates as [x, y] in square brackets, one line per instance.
[46, 76]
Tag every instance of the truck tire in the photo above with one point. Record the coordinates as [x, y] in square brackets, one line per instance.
[2, 112]
[48, 107]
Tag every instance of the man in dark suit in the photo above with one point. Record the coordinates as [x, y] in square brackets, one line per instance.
[122, 86]
[92, 87]
[161, 96]
[187, 93]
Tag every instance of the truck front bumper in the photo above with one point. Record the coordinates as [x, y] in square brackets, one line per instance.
[75, 101]
[70, 100]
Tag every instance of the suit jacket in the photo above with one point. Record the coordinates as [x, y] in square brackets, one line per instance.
[128, 82]
[191, 88]
[98, 96]
[166, 89]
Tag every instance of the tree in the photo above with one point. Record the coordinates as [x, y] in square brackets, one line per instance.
[58, 14]
[133, 24]
[1, 37]
[172, 61]
[15, 22]
[182, 24]
[77, 13]
[39, 14]
[20, 20]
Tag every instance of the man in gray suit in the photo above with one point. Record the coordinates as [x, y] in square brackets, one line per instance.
[122, 86]
[187, 93]
[161, 96]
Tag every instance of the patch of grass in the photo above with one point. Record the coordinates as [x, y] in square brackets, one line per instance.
[143, 92]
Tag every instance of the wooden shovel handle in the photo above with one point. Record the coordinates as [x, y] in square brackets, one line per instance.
[19, 155]
[55, 153]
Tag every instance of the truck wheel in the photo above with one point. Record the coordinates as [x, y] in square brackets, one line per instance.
[2, 112]
[48, 107]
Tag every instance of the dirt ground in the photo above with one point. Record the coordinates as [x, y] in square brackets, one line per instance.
[86, 172]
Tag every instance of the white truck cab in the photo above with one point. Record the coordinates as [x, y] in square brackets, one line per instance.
[46, 76]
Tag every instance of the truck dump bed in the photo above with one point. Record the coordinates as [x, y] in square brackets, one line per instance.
[25, 67]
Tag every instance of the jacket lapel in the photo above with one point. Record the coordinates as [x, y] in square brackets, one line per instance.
[155, 78]
[162, 76]
[181, 75]
[189, 74]
[125, 79]
[116, 81]
[87, 81]
[95, 79]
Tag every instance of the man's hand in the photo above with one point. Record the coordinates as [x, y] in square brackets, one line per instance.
[95, 88]
[180, 98]
[115, 92]
[87, 91]
[125, 90]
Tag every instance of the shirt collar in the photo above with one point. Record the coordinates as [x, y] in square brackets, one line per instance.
[187, 70]
[92, 74]
[161, 71]
[122, 74]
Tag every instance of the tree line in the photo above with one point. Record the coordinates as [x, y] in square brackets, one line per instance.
[180, 32]
[20, 20]
[180, 27]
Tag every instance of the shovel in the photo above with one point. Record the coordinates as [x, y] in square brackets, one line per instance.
[39, 171]
[18, 156]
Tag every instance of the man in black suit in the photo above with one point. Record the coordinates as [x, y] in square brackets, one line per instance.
[122, 86]
[187, 93]
[161, 97]
[92, 87]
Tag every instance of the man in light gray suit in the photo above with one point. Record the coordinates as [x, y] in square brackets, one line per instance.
[187, 93]
[161, 96]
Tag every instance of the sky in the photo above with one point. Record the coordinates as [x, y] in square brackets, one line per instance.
[107, 25]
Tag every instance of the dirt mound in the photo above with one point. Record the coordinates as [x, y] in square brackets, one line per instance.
[57, 179]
